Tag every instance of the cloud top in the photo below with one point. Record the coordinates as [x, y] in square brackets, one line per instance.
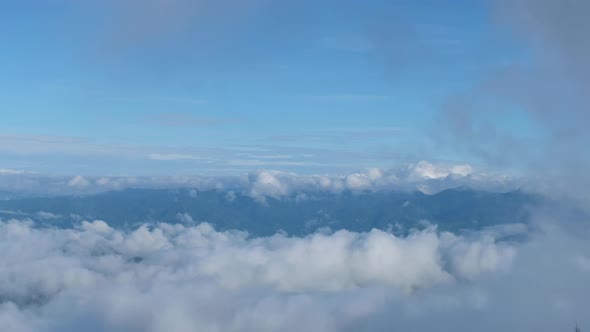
[57, 277]
[191, 277]
[262, 184]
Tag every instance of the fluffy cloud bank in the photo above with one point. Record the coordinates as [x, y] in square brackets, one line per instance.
[166, 277]
[423, 176]
[192, 278]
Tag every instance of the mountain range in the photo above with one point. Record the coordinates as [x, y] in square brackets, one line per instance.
[298, 214]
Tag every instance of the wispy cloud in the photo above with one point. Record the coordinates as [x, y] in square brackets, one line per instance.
[179, 119]
[258, 162]
[10, 171]
[342, 134]
[348, 97]
[175, 156]
[170, 100]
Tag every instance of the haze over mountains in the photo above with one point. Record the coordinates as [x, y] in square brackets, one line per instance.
[296, 214]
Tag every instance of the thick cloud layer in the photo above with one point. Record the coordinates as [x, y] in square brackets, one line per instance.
[179, 278]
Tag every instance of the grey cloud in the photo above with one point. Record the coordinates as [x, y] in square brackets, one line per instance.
[549, 93]
[544, 291]
[555, 90]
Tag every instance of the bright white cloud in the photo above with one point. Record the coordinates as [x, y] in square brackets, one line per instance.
[357, 182]
[260, 184]
[267, 183]
[65, 277]
[193, 278]
[423, 176]
[78, 182]
[426, 170]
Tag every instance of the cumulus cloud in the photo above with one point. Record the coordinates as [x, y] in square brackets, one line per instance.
[78, 181]
[357, 181]
[424, 176]
[267, 183]
[426, 170]
[198, 278]
[262, 184]
[184, 218]
[164, 277]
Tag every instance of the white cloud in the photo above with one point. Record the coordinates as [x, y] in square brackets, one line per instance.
[230, 196]
[47, 215]
[191, 278]
[178, 119]
[78, 181]
[267, 183]
[264, 162]
[423, 176]
[5, 171]
[318, 262]
[374, 174]
[357, 182]
[97, 226]
[426, 170]
[174, 156]
[184, 218]
[463, 170]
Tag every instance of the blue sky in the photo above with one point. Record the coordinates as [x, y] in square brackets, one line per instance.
[196, 87]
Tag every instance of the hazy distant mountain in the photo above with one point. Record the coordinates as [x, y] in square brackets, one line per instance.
[451, 209]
